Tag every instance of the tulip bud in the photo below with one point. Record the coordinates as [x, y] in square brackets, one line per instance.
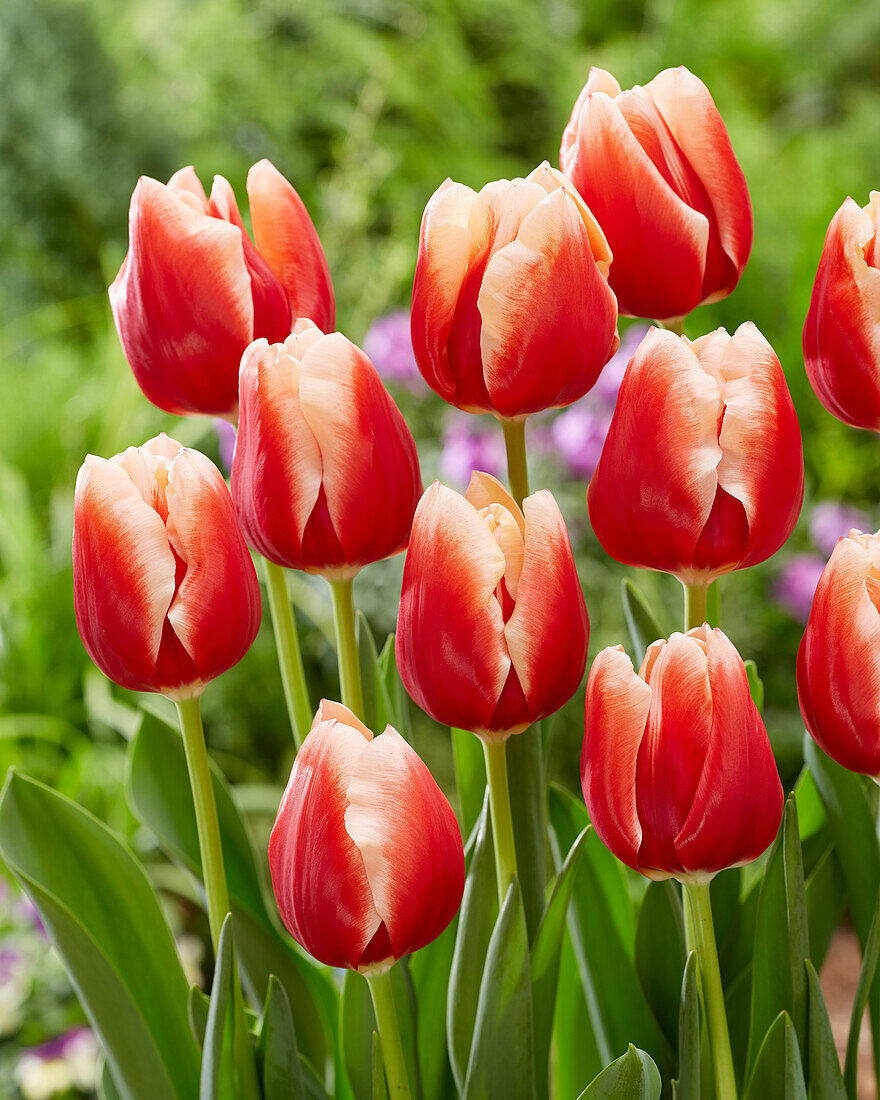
[656, 167]
[842, 330]
[165, 592]
[193, 291]
[492, 632]
[511, 309]
[702, 470]
[677, 770]
[366, 855]
[838, 666]
[325, 475]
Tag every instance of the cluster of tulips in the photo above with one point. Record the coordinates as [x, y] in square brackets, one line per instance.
[515, 306]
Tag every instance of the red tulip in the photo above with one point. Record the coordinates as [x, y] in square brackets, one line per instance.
[193, 291]
[838, 666]
[511, 309]
[165, 592]
[842, 330]
[325, 476]
[366, 855]
[702, 469]
[656, 167]
[677, 770]
[492, 632]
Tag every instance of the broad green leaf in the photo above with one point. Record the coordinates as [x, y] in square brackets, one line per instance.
[106, 1086]
[867, 978]
[429, 969]
[576, 1056]
[826, 900]
[823, 1065]
[756, 684]
[525, 772]
[379, 1082]
[546, 952]
[159, 794]
[217, 1080]
[640, 620]
[197, 1009]
[811, 812]
[634, 1076]
[470, 777]
[377, 706]
[394, 687]
[502, 1059]
[660, 954]
[278, 1051]
[476, 919]
[105, 921]
[778, 1072]
[687, 1084]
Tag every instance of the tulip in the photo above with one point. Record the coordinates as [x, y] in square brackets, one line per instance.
[492, 631]
[838, 666]
[193, 291]
[366, 856]
[325, 475]
[677, 770]
[702, 468]
[511, 309]
[656, 167]
[842, 330]
[165, 593]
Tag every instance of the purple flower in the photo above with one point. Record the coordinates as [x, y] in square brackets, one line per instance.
[578, 435]
[226, 442]
[831, 519]
[389, 345]
[605, 390]
[468, 447]
[796, 584]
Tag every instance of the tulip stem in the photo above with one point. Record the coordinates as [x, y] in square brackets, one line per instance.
[206, 814]
[713, 991]
[293, 676]
[382, 992]
[495, 753]
[346, 646]
[517, 464]
[695, 597]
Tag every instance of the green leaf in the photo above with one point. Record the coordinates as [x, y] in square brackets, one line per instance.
[377, 705]
[379, 1082]
[197, 1010]
[576, 1055]
[217, 1080]
[470, 777]
[756, 684]
[358, 1022]
[546, 952]
[778, 1072]
[394, 687]
[158, 792]
[502, 1055]
[640, 620]
[525, 773]
[476, 919]
[867, 977]
[781, 939]
[687, 1085]
[106, 1087]
[429, 969]
[823, 1065]
[660, 954]
[632, 1077]
[826, 901]
[105, 921]
[278, 1051]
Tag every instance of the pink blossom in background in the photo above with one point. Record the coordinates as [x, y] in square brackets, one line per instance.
[225, 442]
[468, 445]
[389, 346]
[796, 584]
[831, 518]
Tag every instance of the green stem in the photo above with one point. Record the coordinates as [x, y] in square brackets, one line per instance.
[206, 814]
[495, 753]
[673, 324]
[713, 992]
[694, 605]
[346, 646]
[517, 465]
[293, 677]
[382, 992]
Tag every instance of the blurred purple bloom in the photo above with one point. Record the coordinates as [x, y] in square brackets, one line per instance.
[831, 519]
[468, 447]
[605, 390]
[578, 435]
[389, 345]
[226, 442]
[796, 584]
[62, 1044]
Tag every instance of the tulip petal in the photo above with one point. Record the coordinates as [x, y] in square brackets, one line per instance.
[451, 650]
[409, 839]
[182, 303]
[616, 711]
[190, 187]
[287, 239]
[123, 574]
[548, 632]
[485, 490]
[737, 806]
[549, 318]
[318, 874]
